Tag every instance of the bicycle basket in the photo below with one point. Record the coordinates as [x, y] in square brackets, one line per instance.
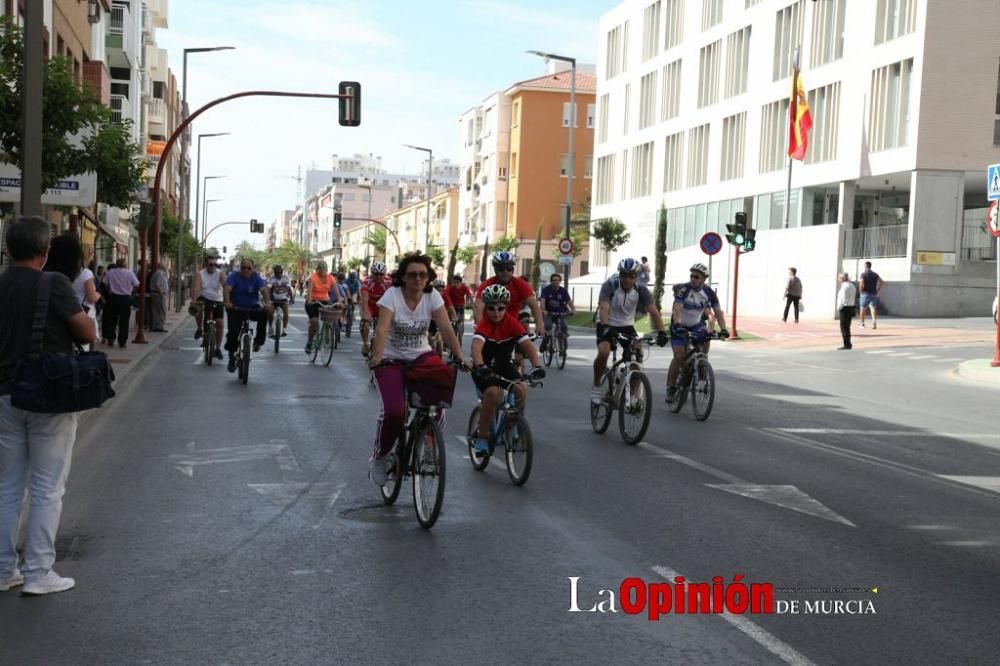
[329, 314]
[431, 384]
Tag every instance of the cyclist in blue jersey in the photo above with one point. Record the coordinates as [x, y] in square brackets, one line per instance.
[353, 285]
[690, 302]
[555, 300]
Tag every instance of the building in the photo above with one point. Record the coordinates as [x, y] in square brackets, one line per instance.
[903, 96]
[483, 188]
[408, 230]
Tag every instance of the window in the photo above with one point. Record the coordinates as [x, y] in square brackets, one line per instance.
[673, 170]
[614, 51]
[486, 171]
[515, 114]
[502, 173]
[671, 103]
[708, 74]
[773, 142]
[752, 3]
[787, 36]
[647, 100]
[513, 165]
[824, 106]
[894, 18]
[733, 140]
[642, 170]
[590, 116]
[602, 121]
[698, 155]
[651, 31]
[673, 14]
[889, 115]
[588, 167]
[827, 32]
[628, 94]
[711, 13]
[604, 188]
[737, 62]
[564, 165]
[565, 116]
[624, 178]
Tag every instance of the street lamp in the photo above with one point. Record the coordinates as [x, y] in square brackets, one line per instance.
[572, 123]
[430, 163]
[197, 180]
[204, 213]
[204, 187]
[368, 224]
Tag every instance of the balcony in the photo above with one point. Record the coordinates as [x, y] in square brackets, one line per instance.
[157, 110]
[117, 39]
[120, 108]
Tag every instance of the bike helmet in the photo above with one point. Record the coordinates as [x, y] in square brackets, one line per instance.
[628, 265]
[278, 268]
[700, 268]
[496, 293]
[377, 268]
[502, 258]
[438, 284]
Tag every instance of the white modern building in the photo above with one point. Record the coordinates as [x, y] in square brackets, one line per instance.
[482, 192]
[693, 113]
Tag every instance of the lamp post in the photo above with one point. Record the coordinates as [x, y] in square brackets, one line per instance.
[204, 213]
[368, 225]
[430, 164]
[197, 181]
[572, 123]
[204, 188]
[185, 204]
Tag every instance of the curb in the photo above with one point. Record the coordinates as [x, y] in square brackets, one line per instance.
[979, 370]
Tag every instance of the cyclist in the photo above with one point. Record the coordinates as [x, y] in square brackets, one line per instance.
[208, 290]
[521, 293]
[372, 289]
[406, 311]
[556, 304]
[690, 303]
[497, 335]
[342, 294]
[243, 293]
[353, 285]
[318, 288]
[620, 300]
[281, 292]
[460, 295]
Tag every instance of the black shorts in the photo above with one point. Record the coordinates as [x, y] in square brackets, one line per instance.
[312, 309]
[506, 370]
[612, 332]
[214, 309]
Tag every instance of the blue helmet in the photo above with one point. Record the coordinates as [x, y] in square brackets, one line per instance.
[628, 265]
[502, 257]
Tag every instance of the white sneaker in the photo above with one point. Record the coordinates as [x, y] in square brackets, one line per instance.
[377, 472]
[13, 581]
[596, 397]
[50, 583]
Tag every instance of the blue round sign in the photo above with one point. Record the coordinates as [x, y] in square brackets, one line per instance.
[711, 243]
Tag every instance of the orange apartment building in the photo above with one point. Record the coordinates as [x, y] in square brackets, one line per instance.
[539, 161]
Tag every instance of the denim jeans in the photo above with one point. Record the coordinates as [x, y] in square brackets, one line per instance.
[35, 452]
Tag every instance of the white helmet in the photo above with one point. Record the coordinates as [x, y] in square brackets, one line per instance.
[700, 268]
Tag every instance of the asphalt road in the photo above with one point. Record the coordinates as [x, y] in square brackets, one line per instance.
[208, 522]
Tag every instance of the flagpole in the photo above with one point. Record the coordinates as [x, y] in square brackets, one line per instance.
[788, 187]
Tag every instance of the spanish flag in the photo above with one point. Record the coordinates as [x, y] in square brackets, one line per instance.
[799, 119]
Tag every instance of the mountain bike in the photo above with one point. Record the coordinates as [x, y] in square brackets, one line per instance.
[510, 430]
[696, 376]
[420, 454]
[328, 336]
[556, 343]
[209, 340]
[625, 387]
[278, 327]
[244, 345]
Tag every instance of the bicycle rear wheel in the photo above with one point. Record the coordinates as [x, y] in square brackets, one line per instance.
[245, 360]
[634, 408]
[600, 415]
[278, 330]
[329, 343]
[562, 351]
[428, 472]
[518, 448]
[547, 354]
[703, 389]
[350, 321]
[479, 462]
[335, 329]
[390, 491]
[683, 384]
[317, 343]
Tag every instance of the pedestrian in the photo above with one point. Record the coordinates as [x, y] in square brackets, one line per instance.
[869, 284]
[159, 290]
[66, 257]
[99, 285]
[642, 275]
[35, 448]
[846, 296]
[793, 293]
[121, 283]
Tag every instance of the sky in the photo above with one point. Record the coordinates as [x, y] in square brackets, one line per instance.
[421, 63]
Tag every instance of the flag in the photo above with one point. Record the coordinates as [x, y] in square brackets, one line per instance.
[799, 119]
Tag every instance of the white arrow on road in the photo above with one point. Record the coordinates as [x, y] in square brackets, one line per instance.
[275, 450]
[319, 496]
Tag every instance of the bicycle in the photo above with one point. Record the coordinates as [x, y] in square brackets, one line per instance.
[278, 326]
[208, 332]
[328, 336]
[420, 454]
[509, 430]
[244, 345]
[557, 343]
[459, 324]
[696, 376]
[349, 318]
[625, 387]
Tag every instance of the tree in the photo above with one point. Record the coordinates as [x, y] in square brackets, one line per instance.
[168, 239]
[660, 255]
[293, 254]
[467, 254]
[612, 233]
[79, 133]
[437, 255]
[536, 258]
[485, 262]
[246, 250]
[505, 244]
[452, 260]
[579, 234]
[377, 238]
[355, 263]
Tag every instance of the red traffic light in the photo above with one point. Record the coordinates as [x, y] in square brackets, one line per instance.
[350, 106]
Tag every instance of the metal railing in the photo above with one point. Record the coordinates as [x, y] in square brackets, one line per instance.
[119, 108]
[871, 242]
[157, 110]
[977, 242]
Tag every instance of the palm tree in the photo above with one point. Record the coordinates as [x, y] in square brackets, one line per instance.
[377, 238]
[294, 254]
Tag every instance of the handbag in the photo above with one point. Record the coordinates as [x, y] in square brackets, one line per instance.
[802, 305]
[52, 383]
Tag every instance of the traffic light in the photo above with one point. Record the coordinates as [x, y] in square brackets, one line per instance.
[337, 220]
[738, 230]
[350, 107]
[256, 227]
[749, 243]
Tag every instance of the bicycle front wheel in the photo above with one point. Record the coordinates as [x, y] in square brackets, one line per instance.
[634, 407]
[561, 353]
[317, 343]
[350, 322]
[428, 473]
[329, 344]
[547, 354]
[518, 448]
[703, 389]
[209, 337]
[245, 360]
[278, 328]
[479, 461]
[600, 414]
[390, 491]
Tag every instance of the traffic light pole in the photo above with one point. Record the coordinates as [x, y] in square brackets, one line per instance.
[736, 290]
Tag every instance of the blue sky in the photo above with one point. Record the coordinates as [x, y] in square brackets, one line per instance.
[421, 64]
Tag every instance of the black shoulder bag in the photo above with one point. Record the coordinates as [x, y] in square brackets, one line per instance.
[51, 383]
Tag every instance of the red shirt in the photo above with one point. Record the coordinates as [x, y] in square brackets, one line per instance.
[500, 338]
[445, 298]
[458, 295]
[520, 291]
[375, 290]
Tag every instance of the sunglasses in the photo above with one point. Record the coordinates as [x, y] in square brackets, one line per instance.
[414, 275]
[504, 267]
[496, 308]
[246, 268]
[212, 265]
[697, 276]
[627, 275]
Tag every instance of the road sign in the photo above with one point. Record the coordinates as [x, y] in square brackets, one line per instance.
[991, 219]
[711, 243]
[993, 182]
[566, 246]
[565, 260]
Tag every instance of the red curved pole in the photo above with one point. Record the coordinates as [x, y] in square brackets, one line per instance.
[157, 213]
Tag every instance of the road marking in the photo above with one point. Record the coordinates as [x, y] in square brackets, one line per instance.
[923, 357]
[186, 462]
[821, 367]
[948, 360]
[493, 459]
[321, 495]
[785, 496]
[800, 399]
[879, 351]
[991, 483]
[755, 632]
[887, 433]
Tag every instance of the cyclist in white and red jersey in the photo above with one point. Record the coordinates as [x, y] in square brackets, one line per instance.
[373, 288]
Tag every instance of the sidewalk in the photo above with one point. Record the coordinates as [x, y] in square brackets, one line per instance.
[126, 361]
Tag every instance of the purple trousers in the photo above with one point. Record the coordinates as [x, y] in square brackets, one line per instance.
[391, 383]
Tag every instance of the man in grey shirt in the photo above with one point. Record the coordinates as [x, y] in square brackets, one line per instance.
[793, 294]
[159, 290]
